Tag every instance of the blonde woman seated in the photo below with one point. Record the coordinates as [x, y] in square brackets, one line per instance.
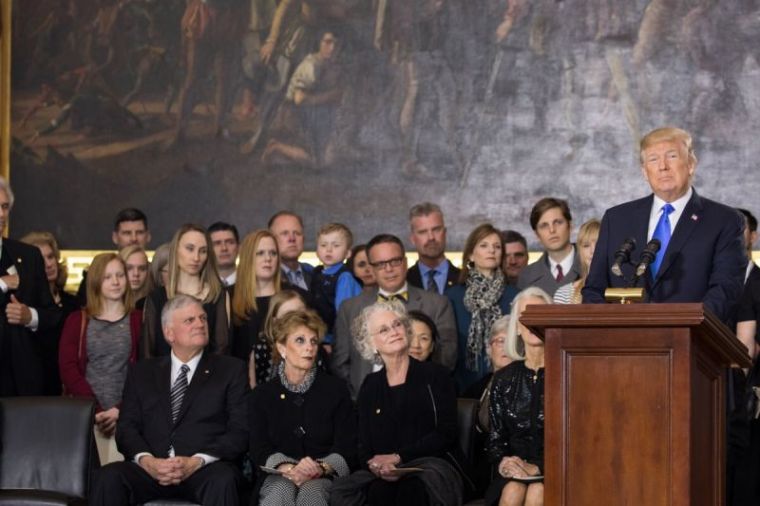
[516, 441]
[588, 234]
[302, 421]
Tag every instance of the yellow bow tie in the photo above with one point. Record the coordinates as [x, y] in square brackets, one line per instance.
[401, 297]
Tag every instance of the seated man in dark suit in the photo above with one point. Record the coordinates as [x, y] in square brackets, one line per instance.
[183, 421]
[388, 259]
[432, 272]
[702, 255]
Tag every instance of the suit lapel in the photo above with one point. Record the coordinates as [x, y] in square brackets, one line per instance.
[200, 377]
[162, 382]
[687, 223]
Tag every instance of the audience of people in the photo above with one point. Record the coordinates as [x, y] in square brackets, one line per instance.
[342, 379]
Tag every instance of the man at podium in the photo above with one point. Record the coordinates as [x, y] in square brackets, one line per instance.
[700, 258]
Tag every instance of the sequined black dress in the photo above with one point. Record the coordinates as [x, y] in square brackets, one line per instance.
[517, 419]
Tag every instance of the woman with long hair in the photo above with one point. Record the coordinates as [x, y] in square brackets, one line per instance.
[258, 279]
[138, 272]
[97, 345]
[481, 297]
[192, 271]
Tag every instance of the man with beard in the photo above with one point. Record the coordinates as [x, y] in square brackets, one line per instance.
[432, 272]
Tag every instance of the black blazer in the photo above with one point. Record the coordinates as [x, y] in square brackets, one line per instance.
[213, 419]
[315, 424]
[705, 260]
[23, 353]
[423, 424]
[414, 278]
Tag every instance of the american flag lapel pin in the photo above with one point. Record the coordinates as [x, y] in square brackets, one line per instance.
[694, 217]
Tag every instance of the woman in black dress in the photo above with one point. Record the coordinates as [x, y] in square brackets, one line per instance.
[516, 441]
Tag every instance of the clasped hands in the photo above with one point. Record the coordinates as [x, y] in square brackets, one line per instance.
[515, 467]
[171, 471]
[306, 469]
[384, 466]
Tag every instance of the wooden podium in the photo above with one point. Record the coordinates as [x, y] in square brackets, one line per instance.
[634, 403]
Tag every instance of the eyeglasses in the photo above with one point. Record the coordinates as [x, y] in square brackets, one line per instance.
[392, 262]
[385, 330]
[499, 341]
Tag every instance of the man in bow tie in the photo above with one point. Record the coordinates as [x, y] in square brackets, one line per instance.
[702, 254]
[183, 421]
[26, 306]
[387, 256]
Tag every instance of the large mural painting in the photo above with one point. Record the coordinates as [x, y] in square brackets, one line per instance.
[353, 110]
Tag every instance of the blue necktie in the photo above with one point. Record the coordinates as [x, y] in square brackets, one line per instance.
[432, 286]
[661, 232]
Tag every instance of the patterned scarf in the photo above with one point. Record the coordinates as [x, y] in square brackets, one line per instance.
[481, 298]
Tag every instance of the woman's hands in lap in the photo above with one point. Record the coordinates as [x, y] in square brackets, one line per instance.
[517, 468]
[383, 466]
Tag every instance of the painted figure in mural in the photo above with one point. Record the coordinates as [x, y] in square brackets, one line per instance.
[154, 55]
[83, 99]
[211, 34]
[411, 32]
[295, 25]
[55, 42]
[304, 122]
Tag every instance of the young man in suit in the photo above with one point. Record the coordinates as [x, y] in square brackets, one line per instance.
[26, 305]
[432, 272]
[182, 423]
[552, 222]
[388, 259]
[702, 257]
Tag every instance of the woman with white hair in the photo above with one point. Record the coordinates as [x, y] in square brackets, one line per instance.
[516, 441]
[407, 419]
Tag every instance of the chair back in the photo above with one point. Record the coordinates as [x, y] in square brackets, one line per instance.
[466, 413]
[46, 443]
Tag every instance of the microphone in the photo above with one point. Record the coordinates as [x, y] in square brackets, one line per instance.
[647, 256]
[623, 256]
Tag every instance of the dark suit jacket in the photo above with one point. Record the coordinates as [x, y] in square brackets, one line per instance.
[414, 276]
[347, 363]
[539, 274]
[24, 347]
[704, 262]
[213, 418]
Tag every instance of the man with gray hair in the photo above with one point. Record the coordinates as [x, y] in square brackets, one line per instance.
[26, 305]
[432, 272]
[183, 421]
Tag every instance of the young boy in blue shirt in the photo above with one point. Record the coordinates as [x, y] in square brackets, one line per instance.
[332, 282]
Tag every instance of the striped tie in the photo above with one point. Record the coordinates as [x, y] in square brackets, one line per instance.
[178, 391]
